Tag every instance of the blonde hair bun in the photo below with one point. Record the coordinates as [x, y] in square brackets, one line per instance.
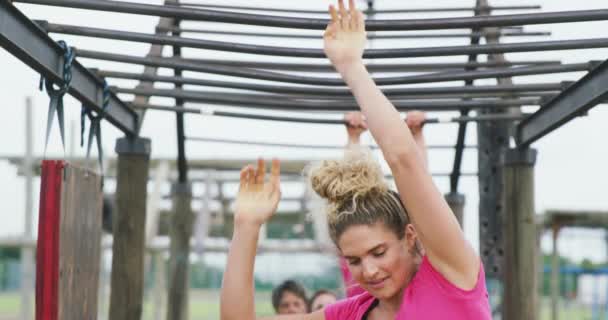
[356, 175]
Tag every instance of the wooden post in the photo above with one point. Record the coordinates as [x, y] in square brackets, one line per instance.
[180, 232]
[555, 271]
[129, 222]
[456, 202]
[80, 244]
[521, 277]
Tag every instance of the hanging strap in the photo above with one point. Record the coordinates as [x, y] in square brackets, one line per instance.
[95, 127]
[56, 95]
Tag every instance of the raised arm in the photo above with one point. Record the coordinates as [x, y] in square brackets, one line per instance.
[256, 202]
[438, 229]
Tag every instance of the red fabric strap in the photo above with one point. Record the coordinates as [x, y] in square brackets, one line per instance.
[47, 253]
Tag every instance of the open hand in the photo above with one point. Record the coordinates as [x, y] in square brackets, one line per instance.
[257, 199]
[344, 37]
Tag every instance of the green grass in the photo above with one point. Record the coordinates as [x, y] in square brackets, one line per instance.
[10, 306]
[204, 305]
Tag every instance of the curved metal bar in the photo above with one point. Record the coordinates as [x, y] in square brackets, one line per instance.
[321, 24]
[386, 11]
[538, 88]
[331, 99]
[494, 117]
[318, 53]
[308, 146]
[276, 76]
[403, 105]
[374, 67]
[370, 36]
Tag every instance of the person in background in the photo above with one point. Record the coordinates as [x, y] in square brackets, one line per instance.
[289, 298]
[320, 299]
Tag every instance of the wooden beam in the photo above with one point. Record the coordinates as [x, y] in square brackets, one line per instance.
[520, 234]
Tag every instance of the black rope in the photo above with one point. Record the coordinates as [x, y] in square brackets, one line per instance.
[95, 128]
[56, 95]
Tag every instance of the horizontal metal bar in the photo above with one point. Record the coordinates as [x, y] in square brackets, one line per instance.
[282, 77]
[370, 37]
[304, 146]
[574, 101]
[324, 99]
[318, 53]
[165, 108]
[373, 67]
[538, 88]
[462, 119]
[321, 24]
[386, 11]
[30, 44]
[227, 99]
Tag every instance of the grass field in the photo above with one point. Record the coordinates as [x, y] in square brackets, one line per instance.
[204, 305]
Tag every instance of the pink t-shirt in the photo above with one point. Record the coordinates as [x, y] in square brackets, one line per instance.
[428, 296]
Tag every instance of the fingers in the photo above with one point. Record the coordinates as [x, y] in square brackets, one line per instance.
[343, 15]
[360, 21]
[352, 19]
[260, 172]
[334, 14]
[246, 177]
[275, 174]
[355, 120]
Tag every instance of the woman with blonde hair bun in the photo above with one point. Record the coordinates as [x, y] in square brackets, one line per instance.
[378, 231]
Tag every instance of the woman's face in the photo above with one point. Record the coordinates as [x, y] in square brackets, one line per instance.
[378, 260]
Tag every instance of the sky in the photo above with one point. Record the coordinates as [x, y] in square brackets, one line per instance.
[570, 171]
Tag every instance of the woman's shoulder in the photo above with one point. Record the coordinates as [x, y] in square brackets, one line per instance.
[428, 274]
[349, 308]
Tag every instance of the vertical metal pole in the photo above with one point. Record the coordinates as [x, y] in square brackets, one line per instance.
[182, 217]
[520, 230]
[27, 253]
[481, 9]
[493, 137]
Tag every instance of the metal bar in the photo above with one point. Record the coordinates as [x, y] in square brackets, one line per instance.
[542, 88]
[386, 11]
[318, 53]
[227, 99]
[147, 106]
[27, 42]
[574, 101]
[331, 99]
[306, 146]
[182, 163]
[277, 76]
[383, 67]
[321, 24]
[369, 37]
[375, 67]
[341, 121]
[462, 127]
